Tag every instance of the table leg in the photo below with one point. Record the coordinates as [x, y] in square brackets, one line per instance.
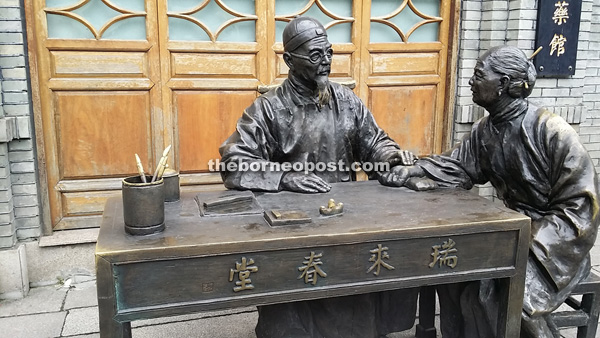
[107, 303]
[510, 307]
[426, 326]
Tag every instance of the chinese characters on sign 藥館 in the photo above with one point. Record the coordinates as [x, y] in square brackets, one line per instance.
[558, 32]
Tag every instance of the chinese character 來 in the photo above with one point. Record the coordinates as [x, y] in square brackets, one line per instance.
[561, 14]
[558, 44]
[441, 254]
[243, 269]
[311, 269]
[377, 257]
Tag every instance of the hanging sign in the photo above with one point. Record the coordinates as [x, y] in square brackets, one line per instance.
[558, 32]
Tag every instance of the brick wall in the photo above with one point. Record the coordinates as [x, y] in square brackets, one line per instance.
[19, 204]
[490, 23]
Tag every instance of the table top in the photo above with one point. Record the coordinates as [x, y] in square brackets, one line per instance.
[371, 212]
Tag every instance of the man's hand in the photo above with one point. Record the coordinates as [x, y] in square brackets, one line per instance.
[402, 157]
[413, 177]
[306, 183]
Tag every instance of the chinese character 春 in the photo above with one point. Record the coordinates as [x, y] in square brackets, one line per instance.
[561, 14]
[441, 254]
[311, 269]
[558, 44]
[377, 257]
[243, 269]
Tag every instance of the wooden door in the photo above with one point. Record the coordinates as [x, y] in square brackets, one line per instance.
[99, 89]
[119, 77]
[404, 55]
[213, 58]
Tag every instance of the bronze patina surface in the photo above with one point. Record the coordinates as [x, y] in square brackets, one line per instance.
[387, 238]
[538, 167]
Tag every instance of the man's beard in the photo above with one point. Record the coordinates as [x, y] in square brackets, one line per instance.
[323, 92]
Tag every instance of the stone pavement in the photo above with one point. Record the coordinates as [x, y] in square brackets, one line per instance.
[70, 310]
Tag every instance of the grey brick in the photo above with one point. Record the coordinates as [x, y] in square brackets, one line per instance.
[17, 109]
[20, 145]
[21, 156]
[12, 61]
[10, 26]
[12, 50]
[25, 201]
[6, 207]
[14, 74]
[25, 233]
[16, 98]
[5, 184]
[24, 189]
[4, 173]
[9, 13]
[14, 85]
[11, 38]
[23, 127]
[28, 178]
[8, 241]
[7, 229]
[27, 222]
[26, 212]
[9, 3]
[5, 196]
[6, 218]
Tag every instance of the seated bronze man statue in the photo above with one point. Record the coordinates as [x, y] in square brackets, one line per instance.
[538, 166]
[310, 120]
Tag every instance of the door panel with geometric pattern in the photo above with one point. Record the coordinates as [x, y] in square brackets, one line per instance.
[119, 77]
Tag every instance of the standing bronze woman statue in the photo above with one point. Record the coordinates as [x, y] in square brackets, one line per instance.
[538, 166]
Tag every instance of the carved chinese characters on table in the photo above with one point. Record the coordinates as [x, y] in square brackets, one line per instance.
[444, 254]
[313, 266]
[311, 269]
[377, 256]
[243, 270]
[558, 34]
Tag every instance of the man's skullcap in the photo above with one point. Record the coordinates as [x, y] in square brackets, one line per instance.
[300, 30]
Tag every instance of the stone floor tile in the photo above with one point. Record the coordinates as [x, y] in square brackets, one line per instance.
[570, 333]
[40, 325]
[82, 295]
[39, 300]
[92, 335]
[81, 321]
[238, 325]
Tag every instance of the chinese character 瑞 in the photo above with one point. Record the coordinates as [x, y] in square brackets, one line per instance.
[558, 44]
[561, 14]
[243, 269]
[377, 256]
[311, 270]
[441, 254]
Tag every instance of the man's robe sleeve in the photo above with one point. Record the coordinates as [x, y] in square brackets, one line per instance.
[249, 146]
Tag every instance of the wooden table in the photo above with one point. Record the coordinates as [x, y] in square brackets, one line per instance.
[387, 238]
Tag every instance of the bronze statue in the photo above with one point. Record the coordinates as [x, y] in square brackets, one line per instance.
[309, 120]
[538, 166]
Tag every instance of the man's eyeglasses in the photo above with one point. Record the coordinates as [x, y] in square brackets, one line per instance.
[315, 56]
